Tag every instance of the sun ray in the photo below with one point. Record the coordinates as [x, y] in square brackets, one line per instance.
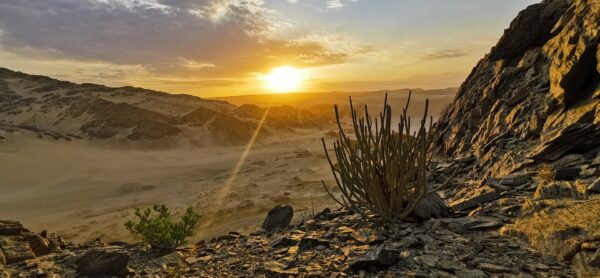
[224, 191]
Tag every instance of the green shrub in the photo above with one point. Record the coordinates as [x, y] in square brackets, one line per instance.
[155, 227]
[381, 170]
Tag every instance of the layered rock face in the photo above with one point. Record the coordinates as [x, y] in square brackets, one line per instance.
[536, 96]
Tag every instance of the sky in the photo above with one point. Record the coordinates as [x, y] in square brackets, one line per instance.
[215, 48]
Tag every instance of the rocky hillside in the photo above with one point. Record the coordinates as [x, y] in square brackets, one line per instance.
[535, 97]
[63, 110]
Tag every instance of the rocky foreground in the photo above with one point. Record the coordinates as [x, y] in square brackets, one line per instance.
[330, 244]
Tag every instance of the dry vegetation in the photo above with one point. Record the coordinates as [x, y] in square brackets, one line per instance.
[559, 227]
[383, 170]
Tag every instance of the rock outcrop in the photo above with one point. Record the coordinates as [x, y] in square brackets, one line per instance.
[18, 244]
[536, 96]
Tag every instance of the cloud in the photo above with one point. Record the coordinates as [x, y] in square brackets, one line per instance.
[215, 38]
[337, 4]
[444, 54]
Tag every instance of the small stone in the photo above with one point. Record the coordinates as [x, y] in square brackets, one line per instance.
[278, 218]
[102, 263]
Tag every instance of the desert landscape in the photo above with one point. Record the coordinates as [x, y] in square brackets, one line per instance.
[83, 185]
[285, 139]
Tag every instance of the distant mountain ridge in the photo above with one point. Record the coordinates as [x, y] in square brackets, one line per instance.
[51, 108]
[65, 110]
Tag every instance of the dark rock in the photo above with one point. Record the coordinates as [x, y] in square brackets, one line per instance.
[278, 218]
[324, 213]
[577, 135]
[474, 201]
[566, 173]
[379, 256]
[432, 205]
[515, 180]
[308, 243]
[103, 263]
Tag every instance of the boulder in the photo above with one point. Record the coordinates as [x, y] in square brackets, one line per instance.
[278, 218]
[103, 263]
[38, 245]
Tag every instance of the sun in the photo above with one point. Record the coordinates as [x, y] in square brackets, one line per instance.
[283, 79]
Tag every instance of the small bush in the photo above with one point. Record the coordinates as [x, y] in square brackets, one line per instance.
[155, 227]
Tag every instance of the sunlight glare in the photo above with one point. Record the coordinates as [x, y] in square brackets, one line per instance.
[283, 79]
